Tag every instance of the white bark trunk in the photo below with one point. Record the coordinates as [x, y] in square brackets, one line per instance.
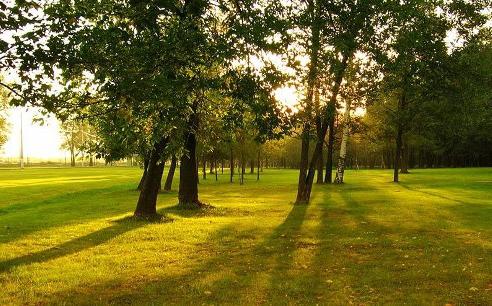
[343, 145]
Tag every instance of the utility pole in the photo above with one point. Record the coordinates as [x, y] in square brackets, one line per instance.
[21, 144]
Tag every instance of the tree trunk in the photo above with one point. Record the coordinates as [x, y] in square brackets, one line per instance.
[404, 159]
[231, 164]
[399, 138]
[197, 171]
[170, 174]
[252, 166]
[72, 157]
[147, 201]
[319, 169]
[243, 170]
[204, 169]
[188, 180]
[319, 165]
[145, 168]
[396, 166]
[343, 146]
[301, 185]
[215, 166]
[329, 157]
[304, 193]
[258, 166]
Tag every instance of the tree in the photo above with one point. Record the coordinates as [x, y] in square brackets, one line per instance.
[336, 32]
[415, 57]
[170, 174]
[4, 126]
[78, 139]
[343, 144]
[153, 63]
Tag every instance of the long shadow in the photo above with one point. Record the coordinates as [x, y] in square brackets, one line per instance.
[404, 259]
[60, 198]
[91, 240]
[274, 253]
[406, 186]
[366, 271]
[65, 209]
[475, 217]
[150, 291]
[232, 254]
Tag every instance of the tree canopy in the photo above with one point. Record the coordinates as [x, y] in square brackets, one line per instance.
[194, 80]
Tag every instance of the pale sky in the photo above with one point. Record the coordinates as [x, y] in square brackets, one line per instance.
[39, 141]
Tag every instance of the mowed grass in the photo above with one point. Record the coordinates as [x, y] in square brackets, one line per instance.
[66, 238]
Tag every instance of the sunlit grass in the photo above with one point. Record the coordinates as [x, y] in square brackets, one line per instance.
[67, 237]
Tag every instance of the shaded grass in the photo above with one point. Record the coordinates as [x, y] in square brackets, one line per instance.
[425, 241]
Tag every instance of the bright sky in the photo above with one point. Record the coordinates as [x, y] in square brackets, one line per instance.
[39, 141]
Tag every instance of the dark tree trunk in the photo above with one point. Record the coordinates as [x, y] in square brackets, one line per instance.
[258, 166]
[147, 201]
[396, 166]
[303, 186]
[197, 170]
[303, 167]
[319, 169]
[163, 167]
[215, 166]
[404, 159]
[329, 157]
[304, 195]
[145, 168]
[204, 168]
[231, 164]
[188, 180]
[252, 166]
[399, 139]
[319, 132]
[170, 174]
[243, 169]
[72, 158]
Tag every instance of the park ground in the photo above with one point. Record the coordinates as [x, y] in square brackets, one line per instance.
[66, 237]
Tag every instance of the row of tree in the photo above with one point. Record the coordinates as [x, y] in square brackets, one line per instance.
[196, 79]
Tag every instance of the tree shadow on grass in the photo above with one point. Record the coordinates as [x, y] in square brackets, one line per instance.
[273, 256]
[413, 262]
[22, 219]
[407, 186]
[475, 216]
[88, 241]
[207, 211]
[234, 263]
[365, 264]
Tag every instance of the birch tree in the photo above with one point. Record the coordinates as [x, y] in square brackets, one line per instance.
[343, 143]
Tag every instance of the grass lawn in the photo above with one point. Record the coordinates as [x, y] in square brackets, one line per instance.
[65, 238]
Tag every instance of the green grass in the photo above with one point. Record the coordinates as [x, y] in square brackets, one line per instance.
[65, 238]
